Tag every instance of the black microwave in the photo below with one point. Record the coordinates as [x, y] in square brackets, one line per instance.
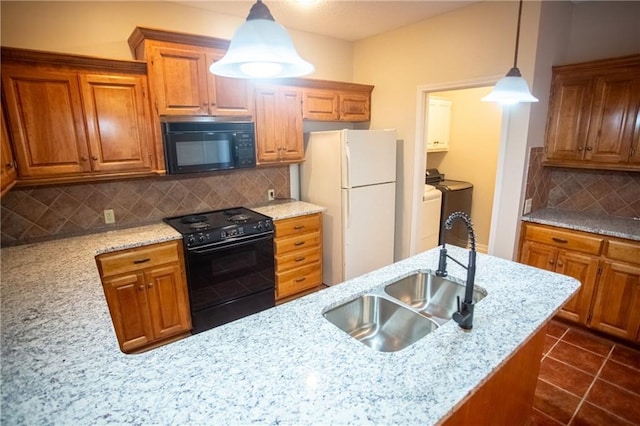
[204, 144]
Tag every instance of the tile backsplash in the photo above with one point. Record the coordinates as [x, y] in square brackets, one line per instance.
[613, 193]
[47, 212]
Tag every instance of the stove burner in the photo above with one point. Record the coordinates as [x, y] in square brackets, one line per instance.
[195, 218]
[239, 218]
[197, 226]
[231, 212]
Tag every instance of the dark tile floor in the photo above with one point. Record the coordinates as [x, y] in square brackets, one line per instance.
[586, 380]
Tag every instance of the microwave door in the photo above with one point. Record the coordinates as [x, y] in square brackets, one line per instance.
[197, 152]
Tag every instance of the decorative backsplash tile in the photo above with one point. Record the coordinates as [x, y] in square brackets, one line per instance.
[41, 213]
[612, 193]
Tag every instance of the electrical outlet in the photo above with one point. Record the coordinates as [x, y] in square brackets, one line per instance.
[527, 206]
[109, 217]
[271, 194]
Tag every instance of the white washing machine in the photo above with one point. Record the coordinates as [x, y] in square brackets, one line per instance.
[430, 220]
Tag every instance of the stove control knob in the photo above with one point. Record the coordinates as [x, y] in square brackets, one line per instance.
[223, 235]
[201, 238]
[259, 226]
[191, 240]
[267, 224]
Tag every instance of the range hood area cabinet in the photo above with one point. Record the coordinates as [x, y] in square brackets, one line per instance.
[594, 115]
[73, 118]
[179, 76]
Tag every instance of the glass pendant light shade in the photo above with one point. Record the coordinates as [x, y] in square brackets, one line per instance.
[261, 48]
[511, 89]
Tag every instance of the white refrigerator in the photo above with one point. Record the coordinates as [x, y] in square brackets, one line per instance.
[353, 174]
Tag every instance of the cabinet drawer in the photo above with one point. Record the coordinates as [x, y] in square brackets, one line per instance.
[297, 225]
[298, 280]
[624, 251]
[137, 258]
[564, 239]
[297, 242]
[297, 259]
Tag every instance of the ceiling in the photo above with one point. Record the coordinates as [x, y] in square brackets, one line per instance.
[341, 19]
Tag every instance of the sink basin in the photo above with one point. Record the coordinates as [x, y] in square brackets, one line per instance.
[433, 296]
[380, 323]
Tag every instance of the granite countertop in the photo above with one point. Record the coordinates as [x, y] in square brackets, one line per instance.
[287, 365]
[287, 208]
[588, 222]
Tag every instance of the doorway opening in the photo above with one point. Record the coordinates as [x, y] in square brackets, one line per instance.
[467, 149]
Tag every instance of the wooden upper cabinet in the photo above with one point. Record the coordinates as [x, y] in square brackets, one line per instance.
[8, 173]
[178, 80]
[44, 110]
[181, 83]
[334, 101]
[278, 117]
[117, 122]
[73, 118]
[593, 115]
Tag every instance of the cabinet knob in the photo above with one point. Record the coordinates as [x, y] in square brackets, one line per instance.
[9, 166]
[551, 262]
[94, 158]
[150, 285]
[83, 158]
[580, 148]
[589, 148]
[141, 287]
[560, 264]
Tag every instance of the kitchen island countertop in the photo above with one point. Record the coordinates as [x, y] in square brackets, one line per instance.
[286, 365]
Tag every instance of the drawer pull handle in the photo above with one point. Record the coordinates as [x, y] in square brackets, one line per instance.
[298, 227]
[299, 280]
[298, 243]
[300, 259]
[141, 287]
[139, 261]
[559, 240]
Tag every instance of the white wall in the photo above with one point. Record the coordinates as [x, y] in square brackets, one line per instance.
[101, 28]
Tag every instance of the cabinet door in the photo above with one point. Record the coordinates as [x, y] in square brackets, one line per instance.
[617, 300]
[354, 107]
[290, 112]
[228, 96]
[7, 165]
[267, 125]
[179, 80]
[168, 305]
[45, 117]
[320, 105]
[539, 255]
[584, 268]
[127, 299]
[438, 125]
[117, 122]
[568, 117]
[613, 118]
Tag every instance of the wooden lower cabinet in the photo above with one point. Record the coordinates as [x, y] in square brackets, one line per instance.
[608, 269]
[298, 252]
[147, 295]
[506, 398]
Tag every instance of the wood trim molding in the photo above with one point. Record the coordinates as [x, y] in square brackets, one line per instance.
[140, 34]
[631, 61]
[42, 58]
[310, 83]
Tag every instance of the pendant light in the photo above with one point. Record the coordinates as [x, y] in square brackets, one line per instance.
[512, 88]
[261, 48]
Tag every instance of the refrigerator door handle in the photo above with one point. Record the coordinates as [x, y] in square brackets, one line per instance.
[347, 171]
[348, 208]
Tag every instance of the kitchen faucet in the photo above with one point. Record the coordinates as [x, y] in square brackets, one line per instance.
[464, 315]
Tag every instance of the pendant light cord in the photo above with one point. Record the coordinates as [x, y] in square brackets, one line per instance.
[515, 57]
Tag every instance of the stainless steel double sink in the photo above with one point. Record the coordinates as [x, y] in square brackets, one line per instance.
[402, 313]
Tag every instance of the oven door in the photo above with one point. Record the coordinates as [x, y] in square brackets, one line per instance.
[230, 281]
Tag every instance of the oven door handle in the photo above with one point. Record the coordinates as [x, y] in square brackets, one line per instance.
[223, 246]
